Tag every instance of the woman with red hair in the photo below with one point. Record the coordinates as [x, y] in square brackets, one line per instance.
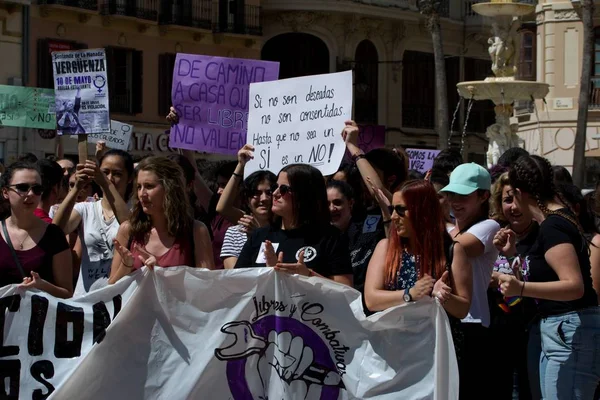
[418, 259]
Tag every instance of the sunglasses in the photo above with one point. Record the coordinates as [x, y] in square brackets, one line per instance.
[257, 193]
[400, 210]
[283, 189]
[24, 188]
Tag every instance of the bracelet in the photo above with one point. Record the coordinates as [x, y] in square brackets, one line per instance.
[387, 221]
[237, 175]
[125, 265]
[358, 156]
[522, 289]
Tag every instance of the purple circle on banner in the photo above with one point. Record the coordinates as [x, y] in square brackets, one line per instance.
[236, 370]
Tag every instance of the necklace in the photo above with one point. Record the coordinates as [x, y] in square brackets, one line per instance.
[23, 242]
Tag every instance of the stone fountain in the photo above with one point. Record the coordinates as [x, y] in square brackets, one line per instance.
[503, 89]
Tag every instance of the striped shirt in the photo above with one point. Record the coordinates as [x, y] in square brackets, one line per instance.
[233, 242]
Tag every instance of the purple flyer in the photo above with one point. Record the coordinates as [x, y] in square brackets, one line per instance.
[211, 96]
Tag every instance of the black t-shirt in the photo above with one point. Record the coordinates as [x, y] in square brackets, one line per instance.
[523, 312]
[325, 250]
[363, 236]
[555, 230]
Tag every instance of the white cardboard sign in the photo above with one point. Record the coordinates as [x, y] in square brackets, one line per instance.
[118, 138]
[299, 121]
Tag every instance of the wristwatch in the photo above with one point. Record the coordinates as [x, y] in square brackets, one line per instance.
[407, 297]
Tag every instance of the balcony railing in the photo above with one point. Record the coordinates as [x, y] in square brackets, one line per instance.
[121, 103]
[91, 5]
[142, 9]
[246, 22]
[195, 14]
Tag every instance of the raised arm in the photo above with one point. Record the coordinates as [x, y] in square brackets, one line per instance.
[118, 205]
[66, 218]
[368, 173]
[225, 206]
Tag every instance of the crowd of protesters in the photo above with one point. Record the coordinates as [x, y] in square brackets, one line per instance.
[512, 254]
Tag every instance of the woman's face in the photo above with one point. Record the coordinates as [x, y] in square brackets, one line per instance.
[521, 201]
[443, 200]
[400, 216]
[340, 208]
[24, 190]
[466, 207]
[262, 200]
[83, 193]
[114, 168]
[150, 192]
[511, 211]
[282, 197]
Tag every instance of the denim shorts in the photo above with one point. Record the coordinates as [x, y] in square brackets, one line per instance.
[564, 355]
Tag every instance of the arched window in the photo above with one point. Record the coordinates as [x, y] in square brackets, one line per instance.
[298, 54]
[366, 83]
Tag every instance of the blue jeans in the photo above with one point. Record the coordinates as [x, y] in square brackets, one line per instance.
[564, 356]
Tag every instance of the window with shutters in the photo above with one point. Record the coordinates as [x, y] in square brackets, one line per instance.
[45, 76]
[527, 56]
[125, 80]
[166, 63]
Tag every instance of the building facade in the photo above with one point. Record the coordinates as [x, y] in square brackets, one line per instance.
[388, 45]
[141, 39]
[385, 42]
[557, 43]
[13, 28]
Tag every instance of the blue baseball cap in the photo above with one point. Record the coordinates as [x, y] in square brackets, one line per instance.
[467, 178]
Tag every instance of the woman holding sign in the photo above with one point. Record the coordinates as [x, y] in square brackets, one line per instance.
[257, 201]
[32, 252]
[161, 230]
[97, 222]
[301, 240]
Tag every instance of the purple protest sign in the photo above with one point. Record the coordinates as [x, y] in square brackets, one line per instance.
[370, 137]
[211, 97]
[421, 159]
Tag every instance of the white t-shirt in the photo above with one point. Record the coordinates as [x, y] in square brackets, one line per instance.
[233, 242]
[96, 237]
[482, 266]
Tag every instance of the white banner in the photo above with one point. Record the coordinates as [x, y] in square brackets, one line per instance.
[117, 138]
[81, 91]
[299, 121]
[181, 333]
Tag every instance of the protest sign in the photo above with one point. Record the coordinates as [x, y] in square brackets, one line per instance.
[27, 107]
[421, 159]
[81, 90]
[370, 137]
[210, 95]
[241, 334]
[117, 138]
[299, 120]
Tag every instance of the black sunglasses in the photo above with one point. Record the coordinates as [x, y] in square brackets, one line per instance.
[283, 189]
[257, 193]
[24, 188]
[400, 210]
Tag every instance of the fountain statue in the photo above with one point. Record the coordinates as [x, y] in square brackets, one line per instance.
[503, 89]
